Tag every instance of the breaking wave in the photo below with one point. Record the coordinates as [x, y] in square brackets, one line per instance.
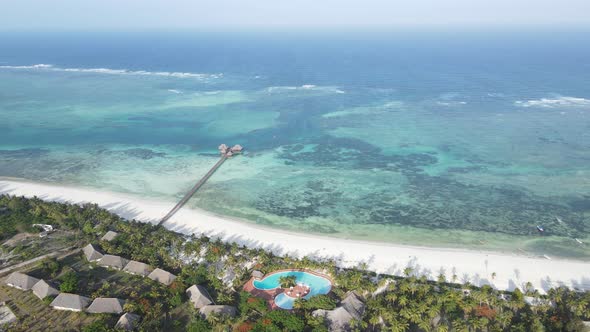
[117, 71]
[305, 87]
[562, 101]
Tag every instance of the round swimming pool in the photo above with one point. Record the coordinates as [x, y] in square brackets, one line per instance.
[317, 284]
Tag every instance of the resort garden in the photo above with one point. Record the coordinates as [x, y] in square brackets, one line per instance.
[356, 300]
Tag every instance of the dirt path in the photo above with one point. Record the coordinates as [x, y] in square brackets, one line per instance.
[59, 254]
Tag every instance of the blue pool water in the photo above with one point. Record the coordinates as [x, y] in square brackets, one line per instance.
[318, 285]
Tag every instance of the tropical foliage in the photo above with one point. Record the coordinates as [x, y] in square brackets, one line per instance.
[409, 303]
[287, 281]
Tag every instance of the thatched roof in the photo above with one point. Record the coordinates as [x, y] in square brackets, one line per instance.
[21, 281]
[116, 262]
[535, 301]
[91, 253]
[199, 296]
[162, 276]
[42, 289]
[137, 268]
[127, 322]
[73, 302]
[106, 305]
[352, 307]
[109, 236]
[223, 310]
[257, 274]
[6, 316]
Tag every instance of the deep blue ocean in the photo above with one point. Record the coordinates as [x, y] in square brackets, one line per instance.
[452, 138]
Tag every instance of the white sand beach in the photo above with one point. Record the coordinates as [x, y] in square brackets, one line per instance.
[509, 271]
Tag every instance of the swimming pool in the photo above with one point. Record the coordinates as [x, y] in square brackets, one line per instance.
[318, 285]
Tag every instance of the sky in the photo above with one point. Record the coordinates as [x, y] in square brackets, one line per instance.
[205, 14]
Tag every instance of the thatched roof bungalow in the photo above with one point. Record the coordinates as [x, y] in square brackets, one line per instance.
[138, 268]
[352, 307]
[71, 302]
[112, 261]
[42, 289]
[91, 252]
[106, 305]
[21, 281]
[127, 322]
[222, 310]
[199, 296]
[162, 276]
[109, 236]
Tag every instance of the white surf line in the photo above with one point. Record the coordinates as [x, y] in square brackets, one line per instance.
[502, 271]
[110, 71]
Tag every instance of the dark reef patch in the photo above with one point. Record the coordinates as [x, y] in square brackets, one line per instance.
[316, 199]
[353, 154]
[581, 204]
[435, 203]
[23, 153]
[144, 154]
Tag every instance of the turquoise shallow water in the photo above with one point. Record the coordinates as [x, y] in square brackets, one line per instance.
[470, 141]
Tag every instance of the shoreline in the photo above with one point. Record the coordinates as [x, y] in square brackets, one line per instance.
[477, 267]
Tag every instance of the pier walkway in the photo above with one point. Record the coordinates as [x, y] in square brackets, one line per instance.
[193, 190]
[226, 152]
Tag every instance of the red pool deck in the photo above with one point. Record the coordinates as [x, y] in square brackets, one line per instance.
[267, 295]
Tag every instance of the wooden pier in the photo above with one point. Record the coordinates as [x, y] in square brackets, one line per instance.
[226, 152]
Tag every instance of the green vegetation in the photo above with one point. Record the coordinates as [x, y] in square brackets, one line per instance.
[288, 281]
[316, 302]
[391, 303]
[69, 282]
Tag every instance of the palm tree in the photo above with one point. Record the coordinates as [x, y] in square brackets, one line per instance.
[408, 271]
[504, 318]
[391, 297]
[213, 319]
[375, 320]
[460, 326]
[398, 325]
[424, 325]
[402, 300]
